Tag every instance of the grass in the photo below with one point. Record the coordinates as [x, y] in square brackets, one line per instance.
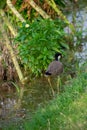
[68, 111]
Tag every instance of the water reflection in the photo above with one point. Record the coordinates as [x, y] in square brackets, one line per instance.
[36, 94]
[7, 107]
[79, 18]
[82, 55]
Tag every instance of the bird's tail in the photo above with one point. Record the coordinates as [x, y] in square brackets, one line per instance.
[47, 73]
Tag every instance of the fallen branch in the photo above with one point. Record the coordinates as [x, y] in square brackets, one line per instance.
[13, 9]
[7, 44]
[38, 9]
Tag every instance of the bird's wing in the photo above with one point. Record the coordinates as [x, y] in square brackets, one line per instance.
[55, 67]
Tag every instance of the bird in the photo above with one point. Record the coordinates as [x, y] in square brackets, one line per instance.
[55, 68]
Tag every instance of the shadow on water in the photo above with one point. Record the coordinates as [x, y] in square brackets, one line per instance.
[38, 92]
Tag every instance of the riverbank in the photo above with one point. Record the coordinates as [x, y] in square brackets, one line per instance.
[66, 111]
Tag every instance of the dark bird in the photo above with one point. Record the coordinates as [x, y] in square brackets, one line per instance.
[55, 68]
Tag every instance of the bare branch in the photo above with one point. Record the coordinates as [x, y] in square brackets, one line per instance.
[38, 9]
[13, 9]
[13, 31]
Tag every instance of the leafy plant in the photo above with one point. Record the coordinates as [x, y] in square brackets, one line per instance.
[39, 42]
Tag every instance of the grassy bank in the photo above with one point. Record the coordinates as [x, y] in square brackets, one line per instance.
[67, 111]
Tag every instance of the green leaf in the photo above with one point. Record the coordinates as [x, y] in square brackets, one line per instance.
[38, 43]
[65, 45]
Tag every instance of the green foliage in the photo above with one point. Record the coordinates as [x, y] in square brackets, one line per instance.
[2, 4]
[39, 42]
[61, 3]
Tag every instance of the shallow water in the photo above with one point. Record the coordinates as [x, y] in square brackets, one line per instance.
[79, 17]
[38, 92]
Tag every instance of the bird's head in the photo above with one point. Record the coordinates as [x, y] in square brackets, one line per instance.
[58, 56]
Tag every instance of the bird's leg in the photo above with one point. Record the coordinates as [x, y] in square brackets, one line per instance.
[58, 84]
[51, 86]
